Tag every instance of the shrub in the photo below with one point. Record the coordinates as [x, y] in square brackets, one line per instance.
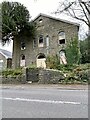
[80, 74]
[85, 50]
[72, 52]
[12, 73]
[52, 62]
[32, 66]
[67, 67]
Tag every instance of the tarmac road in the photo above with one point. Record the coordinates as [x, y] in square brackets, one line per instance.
[44, 102]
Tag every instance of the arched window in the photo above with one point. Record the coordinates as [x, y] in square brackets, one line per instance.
[22, 60]
[41, 56]
[61, 37]
[41, 42]
[23, 46]
[40, 20]
[23, 57]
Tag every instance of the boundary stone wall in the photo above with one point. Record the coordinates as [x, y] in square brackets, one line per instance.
[44, 76]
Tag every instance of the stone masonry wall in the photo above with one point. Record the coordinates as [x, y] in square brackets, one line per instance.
[50, 76]
[48, 27]
[40, 76]
[32, 74]
[44, 76]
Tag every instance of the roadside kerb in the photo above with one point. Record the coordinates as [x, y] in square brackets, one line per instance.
[42, 86]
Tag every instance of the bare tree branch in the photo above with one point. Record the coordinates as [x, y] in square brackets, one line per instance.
[84, 11]
[87, 8]
[78, 9]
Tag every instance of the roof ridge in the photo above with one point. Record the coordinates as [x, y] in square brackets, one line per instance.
[49, 16]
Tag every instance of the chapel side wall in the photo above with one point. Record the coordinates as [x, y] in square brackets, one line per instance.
[16, 53]
[30, 56]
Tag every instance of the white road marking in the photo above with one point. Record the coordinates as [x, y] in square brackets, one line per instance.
[42, 101]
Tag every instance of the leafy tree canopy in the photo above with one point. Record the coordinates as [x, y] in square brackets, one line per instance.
[15, 21]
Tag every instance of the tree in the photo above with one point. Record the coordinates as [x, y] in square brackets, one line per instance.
[77, 9]
[72, 52]
[15, 21]
[85, 50]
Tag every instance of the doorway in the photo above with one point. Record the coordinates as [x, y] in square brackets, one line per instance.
[63, 57]
[41, 61]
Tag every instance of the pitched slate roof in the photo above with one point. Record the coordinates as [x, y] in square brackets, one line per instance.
[6, 53]
[59, 19]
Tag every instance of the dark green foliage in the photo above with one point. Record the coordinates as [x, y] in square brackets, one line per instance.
[67, 67]
[85, 50]
[80, 74]
[12, 73]
[15, 21]
[74, 73]
[52, 62]
[72, 52]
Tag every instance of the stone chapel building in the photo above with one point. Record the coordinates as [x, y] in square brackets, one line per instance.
[52, 36]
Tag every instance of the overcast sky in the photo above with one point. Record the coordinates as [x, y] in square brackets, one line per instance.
[38, 6]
